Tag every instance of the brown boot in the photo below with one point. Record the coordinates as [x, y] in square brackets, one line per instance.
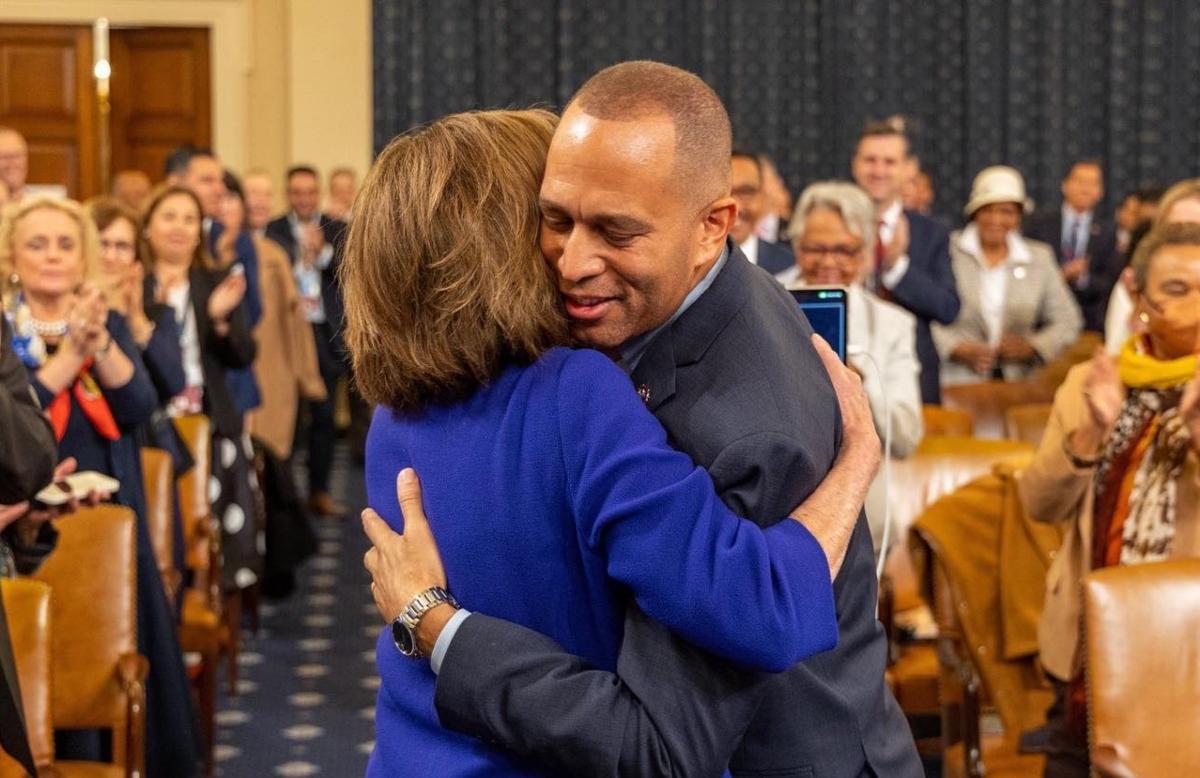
[322, 504]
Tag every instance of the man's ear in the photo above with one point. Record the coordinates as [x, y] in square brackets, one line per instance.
[716, 223]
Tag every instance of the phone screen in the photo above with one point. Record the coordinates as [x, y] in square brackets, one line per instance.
[825, 307]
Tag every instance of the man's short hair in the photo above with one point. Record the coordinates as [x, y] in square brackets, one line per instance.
[301, 170]
[640, 89]
[753, 156]
[893, 126]
[339, 172]
[1148, 195]
[181, 156]
[1090, 161]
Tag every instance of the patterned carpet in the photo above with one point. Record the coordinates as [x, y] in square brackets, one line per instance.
[307, 684]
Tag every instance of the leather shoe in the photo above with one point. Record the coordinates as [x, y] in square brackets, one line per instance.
[322, 504]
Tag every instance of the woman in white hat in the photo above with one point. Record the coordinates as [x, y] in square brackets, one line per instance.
[1017, 312]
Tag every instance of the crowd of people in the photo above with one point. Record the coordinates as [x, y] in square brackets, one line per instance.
[521, 235]
[191, 296]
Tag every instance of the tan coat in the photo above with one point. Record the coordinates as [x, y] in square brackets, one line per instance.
[1054, 490]
[286, 366]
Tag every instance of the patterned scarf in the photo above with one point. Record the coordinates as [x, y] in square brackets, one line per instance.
[1136, 481]
[33, 353]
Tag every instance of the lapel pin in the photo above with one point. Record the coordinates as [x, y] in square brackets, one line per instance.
[1019, 272]
[644, 392]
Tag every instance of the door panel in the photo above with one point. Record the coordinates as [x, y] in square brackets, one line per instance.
[48, 95]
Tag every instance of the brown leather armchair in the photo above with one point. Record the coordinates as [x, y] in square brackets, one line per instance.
[986, 402]
[207, 627]
[158, 477]
[98, 676]
[982, 564]
[1027, 422]
[939, 421]
[1142, 626]
[938, 467]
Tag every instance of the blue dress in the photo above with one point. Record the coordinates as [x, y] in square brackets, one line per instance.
[171, 734]
[554, 497]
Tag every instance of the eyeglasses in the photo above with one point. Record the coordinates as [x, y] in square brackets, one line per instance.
[745, 191]
[118, 246]
[839, 253]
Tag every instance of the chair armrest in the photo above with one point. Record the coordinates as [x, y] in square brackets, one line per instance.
[1107, 763]
[132, 670]
[972, 745]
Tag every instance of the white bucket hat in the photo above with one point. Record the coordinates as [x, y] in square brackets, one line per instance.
[997, 184]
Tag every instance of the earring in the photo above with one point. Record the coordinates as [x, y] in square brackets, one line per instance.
[1144, 317]
[15, 281]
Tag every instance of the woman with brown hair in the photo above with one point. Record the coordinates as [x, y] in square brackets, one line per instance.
[550, 486]
[123, 276]
[1120, 464]
[214, 338]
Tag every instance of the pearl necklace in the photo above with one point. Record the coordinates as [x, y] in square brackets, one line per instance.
[49, 329]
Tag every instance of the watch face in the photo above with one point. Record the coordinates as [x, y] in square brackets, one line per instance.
[403, 638]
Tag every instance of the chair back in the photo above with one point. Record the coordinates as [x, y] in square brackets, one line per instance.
[92, 573]
[940, 421]
[27, 605]
[159, 478]
[1027, 423]
[195, 508]
[1142, 626]
[986, 402]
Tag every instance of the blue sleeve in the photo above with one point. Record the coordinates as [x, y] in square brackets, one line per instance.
[759, 597]
[135, 401]
[248, 256]
[164, 358]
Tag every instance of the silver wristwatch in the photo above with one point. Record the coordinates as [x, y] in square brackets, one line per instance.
[404, 628]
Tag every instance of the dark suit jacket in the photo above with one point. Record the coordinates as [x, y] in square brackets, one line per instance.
[280, 231]
[1104, 262]
[775, 257]
[218, 355]
[737, 385]
[928, 291]
[27, 457]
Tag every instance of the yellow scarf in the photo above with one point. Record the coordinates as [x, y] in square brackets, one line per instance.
[1139, 370]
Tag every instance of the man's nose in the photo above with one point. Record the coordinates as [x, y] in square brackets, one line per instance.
[578, 261]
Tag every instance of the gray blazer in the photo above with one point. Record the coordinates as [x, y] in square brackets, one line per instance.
[1037, 305]
[738, 386]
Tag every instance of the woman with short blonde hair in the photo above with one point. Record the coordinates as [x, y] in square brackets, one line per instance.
[88, 374]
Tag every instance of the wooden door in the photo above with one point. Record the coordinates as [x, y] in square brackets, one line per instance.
[160, 95]
[48, 95]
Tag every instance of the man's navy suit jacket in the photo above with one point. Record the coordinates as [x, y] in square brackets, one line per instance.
[928, 292]
[738, 386]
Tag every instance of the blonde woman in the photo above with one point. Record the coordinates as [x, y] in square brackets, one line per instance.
[87, 371]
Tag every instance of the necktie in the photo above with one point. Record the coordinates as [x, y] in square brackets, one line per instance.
[1068, 249]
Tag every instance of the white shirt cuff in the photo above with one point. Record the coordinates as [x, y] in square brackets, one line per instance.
[442, 645]
[894, 276]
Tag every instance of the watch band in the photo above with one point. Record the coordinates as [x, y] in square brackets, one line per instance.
[423, 603]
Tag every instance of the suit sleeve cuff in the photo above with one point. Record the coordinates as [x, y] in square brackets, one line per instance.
[442, 644]
[894, 276]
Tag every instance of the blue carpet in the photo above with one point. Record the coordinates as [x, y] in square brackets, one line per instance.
[307, 684]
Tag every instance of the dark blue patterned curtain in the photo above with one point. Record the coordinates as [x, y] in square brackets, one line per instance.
[1031, 83]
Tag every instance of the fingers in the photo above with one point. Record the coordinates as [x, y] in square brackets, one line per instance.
[371, 560]
[408, 492]
[828, 356]
[65, 468]
[375, 527]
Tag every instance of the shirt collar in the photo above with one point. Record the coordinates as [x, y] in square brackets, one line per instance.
[891, 214]
[633, 349]
[750, 248]
[295, 220]
[1018, 249]
[1070, 214]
